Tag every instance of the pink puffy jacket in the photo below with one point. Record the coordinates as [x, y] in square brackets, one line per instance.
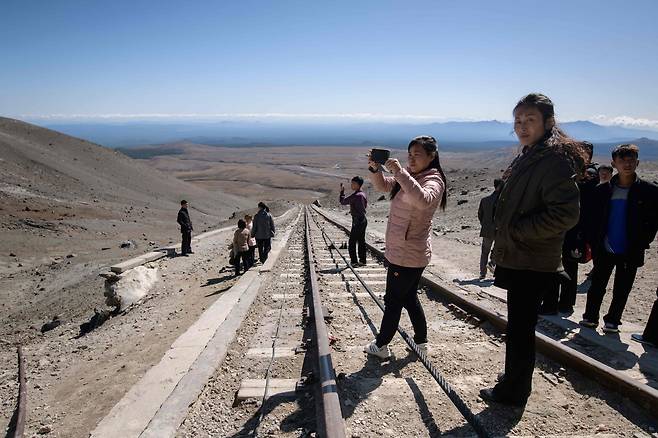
[408, 238]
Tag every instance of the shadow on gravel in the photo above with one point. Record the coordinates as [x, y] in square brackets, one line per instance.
[214, 281]
[356, 387]
[474, 282]
[219, 291]
[333, 270]
[498, 420]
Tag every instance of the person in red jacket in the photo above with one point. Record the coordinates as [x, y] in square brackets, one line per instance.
[416, 192]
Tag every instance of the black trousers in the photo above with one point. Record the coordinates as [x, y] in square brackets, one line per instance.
[186, 245]
[252, 257]
[525, 291]
[264, 247]
[651, 329]
[402, 292]
[244, 256]
[604, 263]
[561, 295]
[358, 236]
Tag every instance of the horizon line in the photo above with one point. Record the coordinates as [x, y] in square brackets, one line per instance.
[600, 119]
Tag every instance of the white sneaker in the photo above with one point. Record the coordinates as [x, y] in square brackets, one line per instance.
[382, 353]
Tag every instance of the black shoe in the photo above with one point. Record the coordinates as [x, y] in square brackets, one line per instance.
[488, 395]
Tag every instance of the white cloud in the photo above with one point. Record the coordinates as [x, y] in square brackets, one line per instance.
[625, 121]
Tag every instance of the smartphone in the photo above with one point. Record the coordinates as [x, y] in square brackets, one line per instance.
[380, 156]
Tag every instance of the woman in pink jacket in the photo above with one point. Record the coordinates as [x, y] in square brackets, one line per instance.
[416, 192]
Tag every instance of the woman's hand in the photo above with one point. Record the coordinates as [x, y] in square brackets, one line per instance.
[393, 165]
[374, 167]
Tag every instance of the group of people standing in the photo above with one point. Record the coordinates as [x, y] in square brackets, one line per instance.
[252, 233]
[551, 209]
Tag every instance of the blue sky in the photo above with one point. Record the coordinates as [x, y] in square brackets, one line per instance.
[436, 59]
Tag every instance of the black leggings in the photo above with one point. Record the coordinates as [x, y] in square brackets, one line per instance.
[402, 292]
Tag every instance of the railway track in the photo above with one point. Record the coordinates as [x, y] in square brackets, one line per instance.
[297, 366]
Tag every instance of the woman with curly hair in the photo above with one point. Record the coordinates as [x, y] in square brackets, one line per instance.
[538, 204]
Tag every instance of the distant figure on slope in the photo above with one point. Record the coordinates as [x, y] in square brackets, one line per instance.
[537, 205]
[241, 247]
[185, 228]
[488, 229]
[252, 241]
[416, 192]
[358, 204]
[263, 230]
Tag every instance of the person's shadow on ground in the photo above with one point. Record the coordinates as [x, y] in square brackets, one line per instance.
[474, 282]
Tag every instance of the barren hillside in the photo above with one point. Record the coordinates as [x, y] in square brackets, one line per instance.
[66, 205]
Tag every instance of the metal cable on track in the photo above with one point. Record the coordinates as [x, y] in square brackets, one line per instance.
[332, 417]
[443, 383]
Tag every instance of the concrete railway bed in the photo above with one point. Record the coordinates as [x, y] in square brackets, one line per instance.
[395, 397]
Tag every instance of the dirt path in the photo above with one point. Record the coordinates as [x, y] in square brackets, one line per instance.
[74, 382]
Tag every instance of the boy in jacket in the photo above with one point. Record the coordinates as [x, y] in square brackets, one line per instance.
[624, 223]
[358, 204]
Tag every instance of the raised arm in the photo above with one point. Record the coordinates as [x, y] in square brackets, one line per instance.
[427, 195]
[381, 182]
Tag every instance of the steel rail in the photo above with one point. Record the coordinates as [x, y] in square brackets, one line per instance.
[454, 397]
[19, 426]
[642, 394]
[332, 423]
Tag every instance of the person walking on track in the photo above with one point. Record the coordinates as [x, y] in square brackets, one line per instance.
[358, 204]
[416, 192]
[537, 205]
[263, 230]
[185, 228]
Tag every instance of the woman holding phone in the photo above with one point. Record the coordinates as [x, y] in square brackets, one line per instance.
[416, 192]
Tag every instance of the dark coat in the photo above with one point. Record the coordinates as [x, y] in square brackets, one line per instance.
[537, 205]
[263, 225]
[486, 215]
[641, 218]
[576, 238]
[184, 221]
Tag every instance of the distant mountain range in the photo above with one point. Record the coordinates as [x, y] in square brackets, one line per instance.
[451, 135]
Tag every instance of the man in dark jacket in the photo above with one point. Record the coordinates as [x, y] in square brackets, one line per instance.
[185, 228]
[263, 230]
[624, 223]
[488, 228]
[358, 204]
[561, 296]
